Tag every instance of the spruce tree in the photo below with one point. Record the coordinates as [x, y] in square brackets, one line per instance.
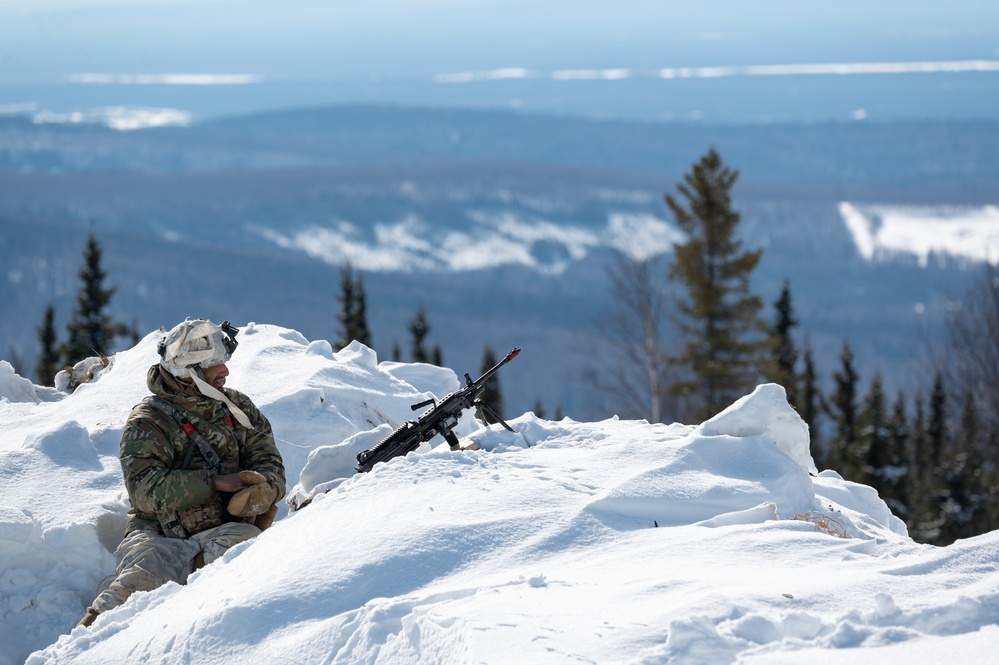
[932, 514]
[899, 459]
[419, 328]
[539, 410]
[353, 316]
[785, 352]
[361, 332]
[810, 407]
[918, 455]
[48, 357]
[921, 486]
[491, 393]
[91, 330]
[936, 426]
[725, 347]
[965, 497]
[874, 440]
[843, 411]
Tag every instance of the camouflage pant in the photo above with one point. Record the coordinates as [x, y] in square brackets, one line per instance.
[147, 559]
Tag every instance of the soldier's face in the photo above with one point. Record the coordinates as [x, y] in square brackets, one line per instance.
[215, 376]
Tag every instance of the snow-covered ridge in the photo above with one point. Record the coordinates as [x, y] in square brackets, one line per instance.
[610, 541]
[166, 79]
[809, 69]
[122, 118]
[490, 240]
[507, 238]
[970, 232]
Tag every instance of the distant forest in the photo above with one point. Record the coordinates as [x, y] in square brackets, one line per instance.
[937, 155]
[199, 201]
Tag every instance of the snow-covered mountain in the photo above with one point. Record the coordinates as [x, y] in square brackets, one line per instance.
[608, 541]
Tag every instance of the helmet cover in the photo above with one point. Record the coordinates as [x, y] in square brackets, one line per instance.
[197, 343]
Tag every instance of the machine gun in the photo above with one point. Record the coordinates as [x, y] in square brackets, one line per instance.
[441, 419]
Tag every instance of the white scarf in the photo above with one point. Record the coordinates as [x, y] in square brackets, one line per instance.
[211, 391]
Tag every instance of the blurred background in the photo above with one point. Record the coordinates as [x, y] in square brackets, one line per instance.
[725, 61]
[484, 162]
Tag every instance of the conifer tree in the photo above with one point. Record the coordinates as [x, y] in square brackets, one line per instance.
[419, 328]
[936, 426]
[874, 438]
[843, 411]
[785, 352]
[91, 330]
[725, 347]
[918, 456]
[48, 357]
[353, 316]
[965, 496]
[896, 491]
[933, 504]
[539, 410]
[810, 407]
[491, 393]
[922, 520]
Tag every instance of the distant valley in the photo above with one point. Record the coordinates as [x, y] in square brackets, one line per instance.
[500, 225]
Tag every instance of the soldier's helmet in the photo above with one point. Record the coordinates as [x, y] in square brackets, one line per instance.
[197, 344]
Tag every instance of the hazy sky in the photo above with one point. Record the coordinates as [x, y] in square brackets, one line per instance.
[51, 40]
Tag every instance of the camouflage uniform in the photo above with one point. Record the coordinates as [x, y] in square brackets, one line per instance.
[153, 451]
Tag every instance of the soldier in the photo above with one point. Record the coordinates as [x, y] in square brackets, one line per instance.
[200, 465]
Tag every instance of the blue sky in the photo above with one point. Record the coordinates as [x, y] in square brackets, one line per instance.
[48, 39]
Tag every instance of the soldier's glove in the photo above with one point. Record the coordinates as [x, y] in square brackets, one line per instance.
[255, 498]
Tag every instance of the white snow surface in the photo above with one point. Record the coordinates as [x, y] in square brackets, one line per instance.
[969, 232]
[562, 542]
[491, 240]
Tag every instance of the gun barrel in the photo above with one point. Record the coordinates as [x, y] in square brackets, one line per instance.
[495, 368]
[440, 419]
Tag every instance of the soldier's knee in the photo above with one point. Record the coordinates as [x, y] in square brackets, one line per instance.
[217, 541]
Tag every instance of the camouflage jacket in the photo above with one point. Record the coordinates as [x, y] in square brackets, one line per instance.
[154, 446]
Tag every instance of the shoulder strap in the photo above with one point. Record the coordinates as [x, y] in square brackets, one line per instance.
[204, 447]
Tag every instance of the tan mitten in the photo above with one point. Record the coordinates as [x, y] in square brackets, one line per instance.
[252, 477]
[264, 520]
[254, 499]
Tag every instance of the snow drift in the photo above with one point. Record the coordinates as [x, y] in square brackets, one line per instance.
[612, 541]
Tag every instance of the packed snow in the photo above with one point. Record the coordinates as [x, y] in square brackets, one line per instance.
[562, 542]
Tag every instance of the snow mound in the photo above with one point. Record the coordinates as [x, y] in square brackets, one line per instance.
[14, 388]
[610, 541]
[765, 412]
